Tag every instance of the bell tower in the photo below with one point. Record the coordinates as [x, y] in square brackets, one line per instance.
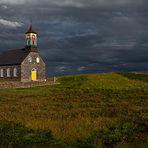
[31, 40]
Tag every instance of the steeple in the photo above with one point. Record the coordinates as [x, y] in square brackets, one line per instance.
[31, 39]
[30, 30]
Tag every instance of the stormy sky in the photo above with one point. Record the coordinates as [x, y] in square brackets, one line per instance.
[80, 36]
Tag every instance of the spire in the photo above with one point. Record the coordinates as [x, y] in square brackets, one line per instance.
[31, 39]
[30, 30]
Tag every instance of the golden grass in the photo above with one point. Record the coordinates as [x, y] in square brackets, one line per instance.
[74, 110]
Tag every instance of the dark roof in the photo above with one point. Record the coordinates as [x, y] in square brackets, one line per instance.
[13, 57]
[30, 30]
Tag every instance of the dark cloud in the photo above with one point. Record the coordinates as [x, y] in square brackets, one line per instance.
[80, 36]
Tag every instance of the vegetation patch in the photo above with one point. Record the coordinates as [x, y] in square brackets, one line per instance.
[97, 110]
[114, 134]
[17, 135]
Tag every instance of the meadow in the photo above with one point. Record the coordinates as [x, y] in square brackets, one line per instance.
[82, 111]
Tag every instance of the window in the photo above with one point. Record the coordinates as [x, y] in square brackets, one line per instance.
[1, 73]
[30, 59]
[38, 60]
[8, 72]
[34, 40]
[28, 40]
[15, 72]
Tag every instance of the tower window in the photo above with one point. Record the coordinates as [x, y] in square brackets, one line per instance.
[8, 72]
[28, 40]
[1, 73]
[15, 72]
[30, 59]
[38, 60]
[33, 40]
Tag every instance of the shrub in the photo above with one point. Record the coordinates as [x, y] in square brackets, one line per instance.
[111, 136]
[16, 135]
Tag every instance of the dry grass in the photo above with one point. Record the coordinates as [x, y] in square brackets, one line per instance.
[79, 105]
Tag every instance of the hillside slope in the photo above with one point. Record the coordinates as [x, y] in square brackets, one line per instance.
[98, 110]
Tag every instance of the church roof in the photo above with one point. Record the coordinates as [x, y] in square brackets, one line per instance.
[30, 30]
[13, 57]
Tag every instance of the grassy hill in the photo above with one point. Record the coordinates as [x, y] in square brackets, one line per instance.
[97, 110]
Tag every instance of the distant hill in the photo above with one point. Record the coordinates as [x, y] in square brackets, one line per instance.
[94, 110]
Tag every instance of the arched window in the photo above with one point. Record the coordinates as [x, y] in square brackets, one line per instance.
[33, 40]
[38, 60]
[30, 59]
[15, 72]
[28, 40]
[1, 73]
[8, 72]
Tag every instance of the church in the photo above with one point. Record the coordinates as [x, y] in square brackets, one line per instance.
[26, 64]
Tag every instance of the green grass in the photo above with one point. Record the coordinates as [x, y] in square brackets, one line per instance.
[98, 110]
[16, 135]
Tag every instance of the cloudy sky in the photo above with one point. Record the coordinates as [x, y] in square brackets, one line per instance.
[80, 36]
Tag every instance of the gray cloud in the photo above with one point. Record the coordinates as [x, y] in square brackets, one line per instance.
[80, 36]
[14, 2]
[10, 24]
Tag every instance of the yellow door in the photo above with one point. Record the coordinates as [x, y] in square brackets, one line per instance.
[33, 75]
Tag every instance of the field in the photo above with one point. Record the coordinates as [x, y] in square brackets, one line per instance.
[84, 111]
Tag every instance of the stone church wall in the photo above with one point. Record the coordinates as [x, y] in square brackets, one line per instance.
[29, 64]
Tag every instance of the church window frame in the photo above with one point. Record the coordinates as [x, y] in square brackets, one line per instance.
[8, 72]
[30, 59]
[33, 40]
[38, 60]
[28, 39]
[15, 72]
[1, 73]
